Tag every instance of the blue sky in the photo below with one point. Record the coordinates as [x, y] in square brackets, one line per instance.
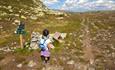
[80, 5]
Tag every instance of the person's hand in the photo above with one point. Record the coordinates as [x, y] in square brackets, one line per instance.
[51, 46]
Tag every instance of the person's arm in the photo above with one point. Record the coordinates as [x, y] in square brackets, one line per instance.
[51, 46]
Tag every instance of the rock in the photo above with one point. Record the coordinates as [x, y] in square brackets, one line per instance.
[1, 27]
[16, 21]
[3, 14]
[81, 36]
[31, 63]
[71, 62]
[91, 61]
[74, 35]
[17, 15]
[74, 43]
[23, 17]
[9, 7]
[35, 36]
[57, 35]
[33, 45]
[63, 35]
[19, 65]
[70, 33]
[68, 44]
[10, 10]
[60, 18]
[8, 50]
[34, 17]
[113, 54]
[41, 14]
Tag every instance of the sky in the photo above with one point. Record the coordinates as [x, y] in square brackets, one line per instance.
[80, 5]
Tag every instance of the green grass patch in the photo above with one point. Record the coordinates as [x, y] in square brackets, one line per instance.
[24, 51]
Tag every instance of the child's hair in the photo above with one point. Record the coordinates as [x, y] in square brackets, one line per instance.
[45, 32]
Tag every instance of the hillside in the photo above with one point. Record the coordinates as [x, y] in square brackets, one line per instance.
[89, 45]
[18, 8]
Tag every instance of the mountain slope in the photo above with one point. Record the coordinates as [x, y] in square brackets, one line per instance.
[24, 8]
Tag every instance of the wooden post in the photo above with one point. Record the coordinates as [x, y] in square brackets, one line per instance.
[21, 41]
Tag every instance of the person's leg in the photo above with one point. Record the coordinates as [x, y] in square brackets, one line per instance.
[43, 58]
[47, 59]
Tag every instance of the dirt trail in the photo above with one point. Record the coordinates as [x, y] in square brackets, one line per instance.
[87, 46]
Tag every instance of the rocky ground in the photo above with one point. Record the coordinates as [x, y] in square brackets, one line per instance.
[89, 45]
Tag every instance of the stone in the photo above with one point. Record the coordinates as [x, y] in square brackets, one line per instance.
[74, 43]
[68, 44]
[81, 36]
[70, 33]
[57, 35]
[41, 14]
[16, 15]
[35, 36]
[1, 27]
[31, 63]
[16, 21]
[34, 17]
[91, 61]
[33, 45]
[19, 65]
[71, 62]
[60, 18]
[63, 35]
[23, 17]
[9, 7]
[10, 10]
[113, 54]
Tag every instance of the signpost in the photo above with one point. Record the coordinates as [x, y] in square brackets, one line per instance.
[20, 30]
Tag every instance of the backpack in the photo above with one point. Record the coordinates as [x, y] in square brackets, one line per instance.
[42, 46]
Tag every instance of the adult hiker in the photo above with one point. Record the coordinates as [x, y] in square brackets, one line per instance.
[45, 45]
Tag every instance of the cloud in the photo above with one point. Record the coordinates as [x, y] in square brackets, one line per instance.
[101, 5]
[49, 2]
[84, 5]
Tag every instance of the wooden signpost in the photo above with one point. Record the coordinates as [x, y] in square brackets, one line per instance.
[20, 30]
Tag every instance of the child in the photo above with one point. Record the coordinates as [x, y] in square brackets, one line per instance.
[46, 44]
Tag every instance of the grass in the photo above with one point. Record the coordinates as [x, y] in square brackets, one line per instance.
[24, 51]
[70, 24]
